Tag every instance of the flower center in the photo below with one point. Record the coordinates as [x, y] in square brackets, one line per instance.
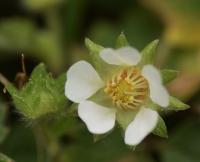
[128, 89]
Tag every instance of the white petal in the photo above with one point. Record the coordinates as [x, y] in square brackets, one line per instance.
[110, 56]
[158, 93]
[98, 119]
[130, 55]
[144, 122]
[122, 56]
[82, 82]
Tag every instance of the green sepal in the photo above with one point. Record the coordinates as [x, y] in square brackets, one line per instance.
[124, 118]
[168, 75]
[98, 137]
[160, 129]
[104, 70]
[121, 41]
[73, 109]
[41, 95]
[93, 47]
[4, 158]
[101, 98]
[176, 104]
[155, 106]
[94, 50]
[148, 53]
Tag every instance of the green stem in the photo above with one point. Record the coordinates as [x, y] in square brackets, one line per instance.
[40, 143]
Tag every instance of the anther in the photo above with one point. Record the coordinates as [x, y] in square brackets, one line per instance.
[128, 89]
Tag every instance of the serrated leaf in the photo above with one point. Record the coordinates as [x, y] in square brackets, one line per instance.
[149, 52]
[42, 95]
[176, 104]
[161, 129]
[168, 75]
[4, 158]
[121, 41]
[38, 72]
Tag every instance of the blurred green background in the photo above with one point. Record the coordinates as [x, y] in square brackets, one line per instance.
[53, 32]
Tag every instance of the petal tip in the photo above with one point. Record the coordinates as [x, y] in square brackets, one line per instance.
[82, 81]
[143, 124]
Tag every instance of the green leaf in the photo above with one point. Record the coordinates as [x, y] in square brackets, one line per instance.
[4, 158]
[161, 129]
[148, 53]
[168, 75]
[42, 95]
[176, 104]
[121, 41]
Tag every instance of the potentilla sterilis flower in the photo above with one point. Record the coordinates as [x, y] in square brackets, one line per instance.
[129, 90]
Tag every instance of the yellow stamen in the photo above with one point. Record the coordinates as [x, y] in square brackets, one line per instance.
[128, 89]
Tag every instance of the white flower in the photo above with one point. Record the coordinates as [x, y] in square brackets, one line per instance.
[129, 89]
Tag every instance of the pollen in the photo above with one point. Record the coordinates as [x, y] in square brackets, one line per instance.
[128, 89]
